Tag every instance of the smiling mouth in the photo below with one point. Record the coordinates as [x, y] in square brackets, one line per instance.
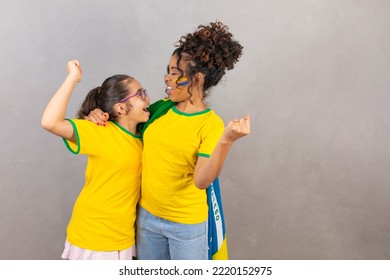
[168, 90]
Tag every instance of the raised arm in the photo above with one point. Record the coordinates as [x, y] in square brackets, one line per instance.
[53, 118]
[207, 169]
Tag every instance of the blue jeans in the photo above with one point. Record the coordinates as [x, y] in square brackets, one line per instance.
[160, 239]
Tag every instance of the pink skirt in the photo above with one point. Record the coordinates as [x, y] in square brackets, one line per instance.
[72, 252]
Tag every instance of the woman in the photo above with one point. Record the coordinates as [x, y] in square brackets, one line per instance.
[102, 223]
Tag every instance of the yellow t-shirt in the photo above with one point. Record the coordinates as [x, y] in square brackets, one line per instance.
[104, 213]
[172, 145]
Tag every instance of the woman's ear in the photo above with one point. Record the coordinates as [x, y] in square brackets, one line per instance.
[198, 80]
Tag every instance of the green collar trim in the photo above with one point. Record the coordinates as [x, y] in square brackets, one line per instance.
[192, 114]
[126, 131]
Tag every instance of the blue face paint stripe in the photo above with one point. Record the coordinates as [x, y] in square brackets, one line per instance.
[182, 83]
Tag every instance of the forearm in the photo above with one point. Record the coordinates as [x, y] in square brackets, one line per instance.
[53, 118]
[207, 170]
[211, 167]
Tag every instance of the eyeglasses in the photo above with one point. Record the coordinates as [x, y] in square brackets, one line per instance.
[141, 92]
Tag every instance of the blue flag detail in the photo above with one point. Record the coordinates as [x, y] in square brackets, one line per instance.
[216, 223]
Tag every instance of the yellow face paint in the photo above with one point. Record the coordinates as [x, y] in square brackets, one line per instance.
[182, 81]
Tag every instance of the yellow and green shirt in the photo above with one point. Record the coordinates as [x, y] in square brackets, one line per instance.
[104, 213]
[172, 145]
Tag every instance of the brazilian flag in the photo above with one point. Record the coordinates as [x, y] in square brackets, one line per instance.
[217, 231]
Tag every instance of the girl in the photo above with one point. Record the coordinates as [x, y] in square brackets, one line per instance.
[102, 222]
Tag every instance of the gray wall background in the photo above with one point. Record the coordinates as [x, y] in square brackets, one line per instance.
[310, 182]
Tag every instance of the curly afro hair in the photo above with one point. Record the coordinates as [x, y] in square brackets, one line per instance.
[209, 50]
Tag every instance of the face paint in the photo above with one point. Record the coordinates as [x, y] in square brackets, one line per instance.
[182, 82]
